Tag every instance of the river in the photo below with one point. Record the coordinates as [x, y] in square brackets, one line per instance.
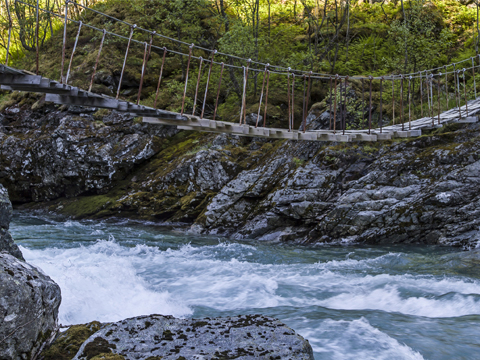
[350, 302]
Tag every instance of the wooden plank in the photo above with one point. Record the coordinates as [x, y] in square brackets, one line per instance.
[9, 79]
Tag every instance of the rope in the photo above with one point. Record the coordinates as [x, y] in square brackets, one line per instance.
[143, 72]
[370, 108]
[208, 81]
[381, 101]
[160, 79]
[186, 78]
[96, 62]
[218, 91]
[266, 101]
[465, 91]
[288, 101]
[330, 112]
[124, 61]
[198, 85]
[73, 52]
[261, 96]
[335, 107]
[421, 96]
[401, 104]
[293, 101]
[393, 100]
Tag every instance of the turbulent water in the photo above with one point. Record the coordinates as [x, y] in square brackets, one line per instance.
[387, 302]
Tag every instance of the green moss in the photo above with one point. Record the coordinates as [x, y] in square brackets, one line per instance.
[108, 356]
[298, 162]
[98, 347]
[66, 345]
[85, 206]
[100, 114]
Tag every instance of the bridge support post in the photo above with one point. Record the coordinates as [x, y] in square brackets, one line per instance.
[10, 25]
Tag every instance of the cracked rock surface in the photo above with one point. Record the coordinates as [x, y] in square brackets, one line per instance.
[29, 302]
[164, 337]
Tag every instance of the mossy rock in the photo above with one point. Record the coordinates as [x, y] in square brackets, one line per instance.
[108, 356]
[66, 345]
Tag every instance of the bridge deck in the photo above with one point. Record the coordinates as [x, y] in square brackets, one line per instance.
[19, 80]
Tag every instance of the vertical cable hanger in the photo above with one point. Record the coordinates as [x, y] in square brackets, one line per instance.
[370, 107]
[244, 97]
[261, 95]
[465, 91]
[218, 90]
[124, 61]
[393, 100]
[345, 106]
[198, 84]
[288, 101]
[98, 59]
[160, 77]
[381, 103]
[73, 51]
[208, 81]
[335, 106]
[401, 102]
[438, 95]
[306, 105]
[190, 48]
[446, 85]
[293, 101]
[266, 100]
[421, 95]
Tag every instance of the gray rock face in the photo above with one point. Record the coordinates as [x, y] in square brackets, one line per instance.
[29, 302]
[44, 156]
[241, 337]
[6, 241]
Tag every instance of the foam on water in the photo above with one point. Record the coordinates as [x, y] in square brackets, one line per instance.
[99, 283]
[107, 281]
[359, 340]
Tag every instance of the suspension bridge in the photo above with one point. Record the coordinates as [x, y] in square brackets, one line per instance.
[338, 129]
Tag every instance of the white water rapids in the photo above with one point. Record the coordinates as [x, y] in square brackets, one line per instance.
[349, 302]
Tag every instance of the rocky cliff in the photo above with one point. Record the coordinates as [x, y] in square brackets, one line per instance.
[99, 164]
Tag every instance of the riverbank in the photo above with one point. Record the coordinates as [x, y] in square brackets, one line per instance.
[88, 163]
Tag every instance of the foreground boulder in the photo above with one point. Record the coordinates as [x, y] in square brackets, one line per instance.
[6, 241]
[165, 337]
[29, 302]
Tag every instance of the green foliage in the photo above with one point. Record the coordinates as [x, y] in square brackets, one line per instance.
[420, 42]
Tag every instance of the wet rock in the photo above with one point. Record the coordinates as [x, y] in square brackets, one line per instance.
[6, 241]
[29, 302]
[165, 337]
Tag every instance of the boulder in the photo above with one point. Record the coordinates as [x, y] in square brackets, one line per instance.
[165, 337]
[29, 302]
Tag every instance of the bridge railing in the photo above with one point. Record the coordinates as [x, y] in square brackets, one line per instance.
[429, 92]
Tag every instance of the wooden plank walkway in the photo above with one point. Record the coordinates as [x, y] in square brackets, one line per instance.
[20, 80]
